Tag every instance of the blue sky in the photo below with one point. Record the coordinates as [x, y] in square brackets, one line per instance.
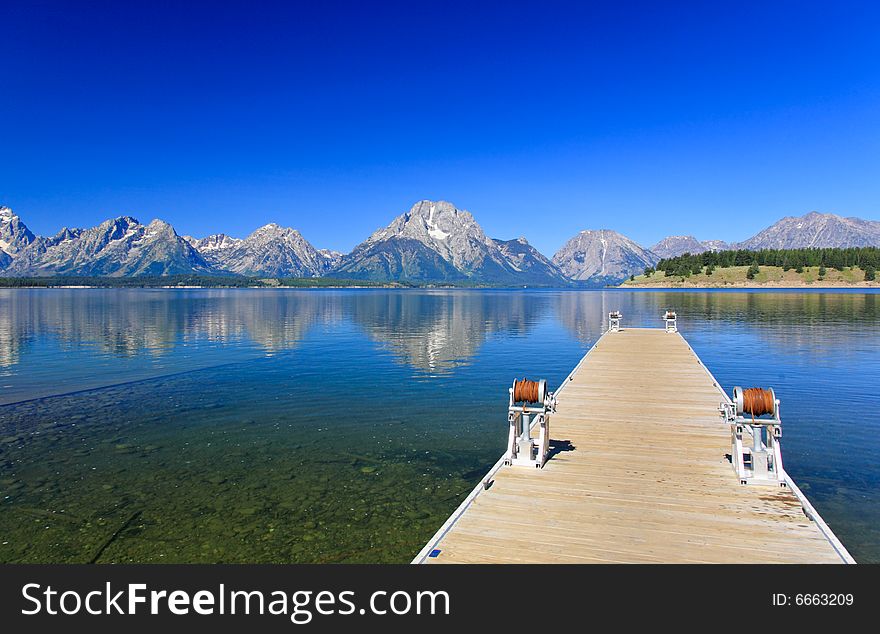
[712, 119]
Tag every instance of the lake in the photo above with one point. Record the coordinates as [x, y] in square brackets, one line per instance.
[345, 426]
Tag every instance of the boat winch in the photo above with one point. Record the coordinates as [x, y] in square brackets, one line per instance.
[757, 410]
[670, 318]
[614, 318]
[529, 407]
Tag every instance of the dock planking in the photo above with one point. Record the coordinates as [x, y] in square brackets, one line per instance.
[639, 473]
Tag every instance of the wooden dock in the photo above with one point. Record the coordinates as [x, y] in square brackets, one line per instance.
[639, 473]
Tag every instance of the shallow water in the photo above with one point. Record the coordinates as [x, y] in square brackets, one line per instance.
[345, 426]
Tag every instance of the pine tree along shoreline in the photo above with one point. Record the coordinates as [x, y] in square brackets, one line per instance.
[830, 267]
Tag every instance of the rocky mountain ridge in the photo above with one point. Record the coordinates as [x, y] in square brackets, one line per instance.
[434, 242]
[815, 230]
[437, 241]
[602, 257]
[117, 247]
[672, 246]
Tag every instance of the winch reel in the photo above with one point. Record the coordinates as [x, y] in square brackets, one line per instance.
[530, 405]
[757, 410]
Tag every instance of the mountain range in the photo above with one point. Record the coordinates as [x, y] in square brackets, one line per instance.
[433, 242]
[270, 251]
[118, 247]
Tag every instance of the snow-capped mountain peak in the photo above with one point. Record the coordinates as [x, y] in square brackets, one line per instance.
[442, 227]
[434, 239]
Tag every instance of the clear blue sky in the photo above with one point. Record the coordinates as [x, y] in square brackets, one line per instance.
[704, 118]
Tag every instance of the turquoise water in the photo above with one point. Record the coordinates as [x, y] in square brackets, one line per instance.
[345, 426]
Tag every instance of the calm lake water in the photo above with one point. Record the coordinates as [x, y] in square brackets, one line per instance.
[345, 426]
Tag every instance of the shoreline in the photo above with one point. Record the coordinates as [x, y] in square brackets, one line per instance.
[763, 277]
[621, 287]
[739, 285]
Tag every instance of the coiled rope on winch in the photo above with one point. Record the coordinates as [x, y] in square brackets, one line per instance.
[757, 401]
[526, 391]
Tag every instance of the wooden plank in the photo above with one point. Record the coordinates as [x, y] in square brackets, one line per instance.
[641, 477]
